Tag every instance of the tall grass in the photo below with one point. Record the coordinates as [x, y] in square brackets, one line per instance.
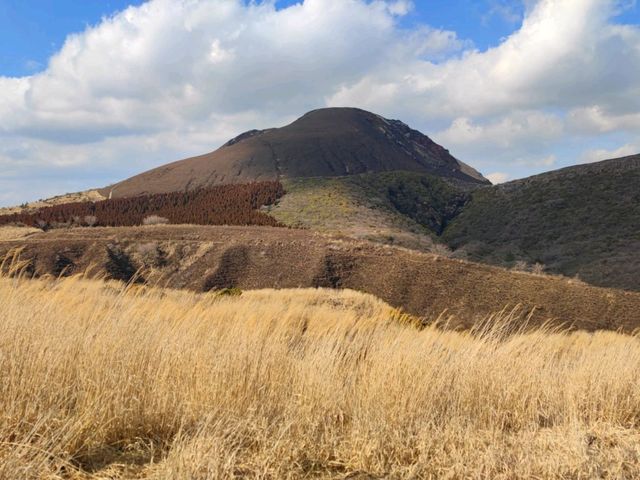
[102, 381]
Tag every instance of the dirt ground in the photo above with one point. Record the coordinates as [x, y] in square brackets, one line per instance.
[204, 258]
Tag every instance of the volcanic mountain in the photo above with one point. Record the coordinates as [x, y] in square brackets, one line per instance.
[330, 142]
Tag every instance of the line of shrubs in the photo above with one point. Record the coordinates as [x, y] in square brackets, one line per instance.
[220, 205]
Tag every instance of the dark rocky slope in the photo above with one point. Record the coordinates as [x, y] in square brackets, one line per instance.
[329, 142]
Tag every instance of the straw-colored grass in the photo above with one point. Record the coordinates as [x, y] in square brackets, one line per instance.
[100, 381]
[16, 233]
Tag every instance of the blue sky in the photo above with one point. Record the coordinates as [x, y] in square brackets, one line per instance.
[91, 93]
[33, 30]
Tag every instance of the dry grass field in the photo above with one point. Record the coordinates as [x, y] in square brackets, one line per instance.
[98, 380]
[8, 233]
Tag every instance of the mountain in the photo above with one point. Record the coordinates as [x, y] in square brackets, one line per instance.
[582, 220]
[330, 142]
[353, 174]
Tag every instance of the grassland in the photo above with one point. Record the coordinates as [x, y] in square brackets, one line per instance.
[16, 233]
[98, 380]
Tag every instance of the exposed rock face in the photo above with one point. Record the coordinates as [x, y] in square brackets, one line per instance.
[329, 142]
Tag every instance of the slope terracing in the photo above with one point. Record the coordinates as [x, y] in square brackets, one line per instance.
[205, 258]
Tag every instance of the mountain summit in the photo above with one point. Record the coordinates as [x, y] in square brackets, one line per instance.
[330, 142]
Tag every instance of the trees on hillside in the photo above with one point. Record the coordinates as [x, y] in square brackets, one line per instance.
[220, 205]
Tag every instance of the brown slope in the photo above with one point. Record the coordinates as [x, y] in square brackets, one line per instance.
[328, 142]
[262, 257]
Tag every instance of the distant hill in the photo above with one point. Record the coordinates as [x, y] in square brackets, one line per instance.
[582, 220]
[330, 142]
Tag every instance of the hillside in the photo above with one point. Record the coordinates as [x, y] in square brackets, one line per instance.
[396, 208]
[86, 196]
[582, 220]
[206, 258]
[329, 142]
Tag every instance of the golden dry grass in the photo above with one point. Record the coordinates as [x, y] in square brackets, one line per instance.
[102, 381]
[16, 233]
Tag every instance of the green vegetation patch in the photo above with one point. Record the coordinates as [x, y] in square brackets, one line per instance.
[393, 207]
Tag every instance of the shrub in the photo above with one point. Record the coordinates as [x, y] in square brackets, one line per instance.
[155, 220]
[229, 292]
[537, 268]
[441, 249]
[521, 266]
[152, 255]
[119, 265]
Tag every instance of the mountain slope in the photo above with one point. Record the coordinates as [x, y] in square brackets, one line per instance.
[329, 142]
[582, 220]
[399, 208]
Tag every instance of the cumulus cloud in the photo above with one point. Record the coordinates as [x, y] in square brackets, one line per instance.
[595, 119]
[508, 11]
[172, 78]
[497, 177]
[599, 154]
[510, 131]
[168, 62]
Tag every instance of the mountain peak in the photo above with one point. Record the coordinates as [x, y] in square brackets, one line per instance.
[327, 142]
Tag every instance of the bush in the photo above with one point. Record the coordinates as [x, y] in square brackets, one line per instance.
[152, 255]
[521, 266]
[537, 268]
[441, 250]
[229, 292]
[155, 220]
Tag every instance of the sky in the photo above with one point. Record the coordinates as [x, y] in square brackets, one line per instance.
[95, 91]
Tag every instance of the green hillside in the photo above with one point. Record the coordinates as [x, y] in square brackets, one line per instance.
[582, 220]
[400, 208]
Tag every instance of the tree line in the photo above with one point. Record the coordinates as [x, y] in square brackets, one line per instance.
[219, 205]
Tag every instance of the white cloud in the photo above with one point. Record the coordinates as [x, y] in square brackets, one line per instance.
[497, 177]
[168, 63]
[565, 55]
[508, 132]
[506, 10]
[400, 7]
[172, 78]
[594, 119]
[603, 154]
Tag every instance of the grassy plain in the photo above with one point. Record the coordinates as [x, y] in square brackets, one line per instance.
[98, 380]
